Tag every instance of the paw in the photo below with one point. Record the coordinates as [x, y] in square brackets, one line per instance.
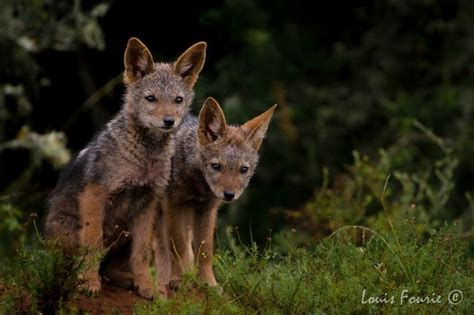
[150, 293]
[214, 286]
[175, 284]
[91, 287]
[164, 291]
[218, 288]
[146, 292]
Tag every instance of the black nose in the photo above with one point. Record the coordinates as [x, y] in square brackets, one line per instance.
[228, 195]
[169, 122]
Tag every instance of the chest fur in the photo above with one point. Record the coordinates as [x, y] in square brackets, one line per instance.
[151, 172]
[140, 168]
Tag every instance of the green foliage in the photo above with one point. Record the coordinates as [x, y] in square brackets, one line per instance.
[50, 147]
[44, 24]
[355, 198]
[37, 281]
[10, 228]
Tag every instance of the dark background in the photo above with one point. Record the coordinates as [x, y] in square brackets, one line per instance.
[347, 75]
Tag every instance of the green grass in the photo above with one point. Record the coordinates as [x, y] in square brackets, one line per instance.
[330, 277]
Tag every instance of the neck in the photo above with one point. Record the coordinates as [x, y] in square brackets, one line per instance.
[149, 138]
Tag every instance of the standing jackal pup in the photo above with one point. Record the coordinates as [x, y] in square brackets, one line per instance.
[213, 164]
[113, 184]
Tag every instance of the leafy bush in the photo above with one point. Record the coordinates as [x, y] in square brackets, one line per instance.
[368, 193]
[10, 228]
[38, 280]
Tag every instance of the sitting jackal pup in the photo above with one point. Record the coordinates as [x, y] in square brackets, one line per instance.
[113, 184]
[213, 164]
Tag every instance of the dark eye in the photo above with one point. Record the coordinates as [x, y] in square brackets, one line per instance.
[244, 169]
[178, 100]
[216, 166]
[150, 98]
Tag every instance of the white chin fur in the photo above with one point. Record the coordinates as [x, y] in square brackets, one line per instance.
[166, 130]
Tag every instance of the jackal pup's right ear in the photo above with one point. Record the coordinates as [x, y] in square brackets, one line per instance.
[138, 61]
[190, 63]
[256, 128]
[212, 124]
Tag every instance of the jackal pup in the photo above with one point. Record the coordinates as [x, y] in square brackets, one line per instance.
[111, 187]
[213, 164]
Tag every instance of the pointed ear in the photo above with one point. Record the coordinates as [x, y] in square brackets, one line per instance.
[212, 125]
[138, 61]
[190, 63]
[256, 128]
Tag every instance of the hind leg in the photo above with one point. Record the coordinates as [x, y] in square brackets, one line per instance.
[62, 229]
[117, 272]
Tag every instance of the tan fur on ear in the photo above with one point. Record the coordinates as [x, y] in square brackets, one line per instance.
[138, 61]
[212, 124]
[256, 128]
[191, 62]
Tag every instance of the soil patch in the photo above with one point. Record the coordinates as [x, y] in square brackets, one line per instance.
[111, 300]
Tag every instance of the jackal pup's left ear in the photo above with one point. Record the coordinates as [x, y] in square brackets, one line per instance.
[212, 124]
[256, 128]
[191, 62]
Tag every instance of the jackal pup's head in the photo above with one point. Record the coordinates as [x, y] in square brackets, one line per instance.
[229, 154]
[159, 94]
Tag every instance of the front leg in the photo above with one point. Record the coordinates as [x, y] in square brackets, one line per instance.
[142, 250]
[204, 227]
[162, 253]
[91, 209]
[178, 221]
